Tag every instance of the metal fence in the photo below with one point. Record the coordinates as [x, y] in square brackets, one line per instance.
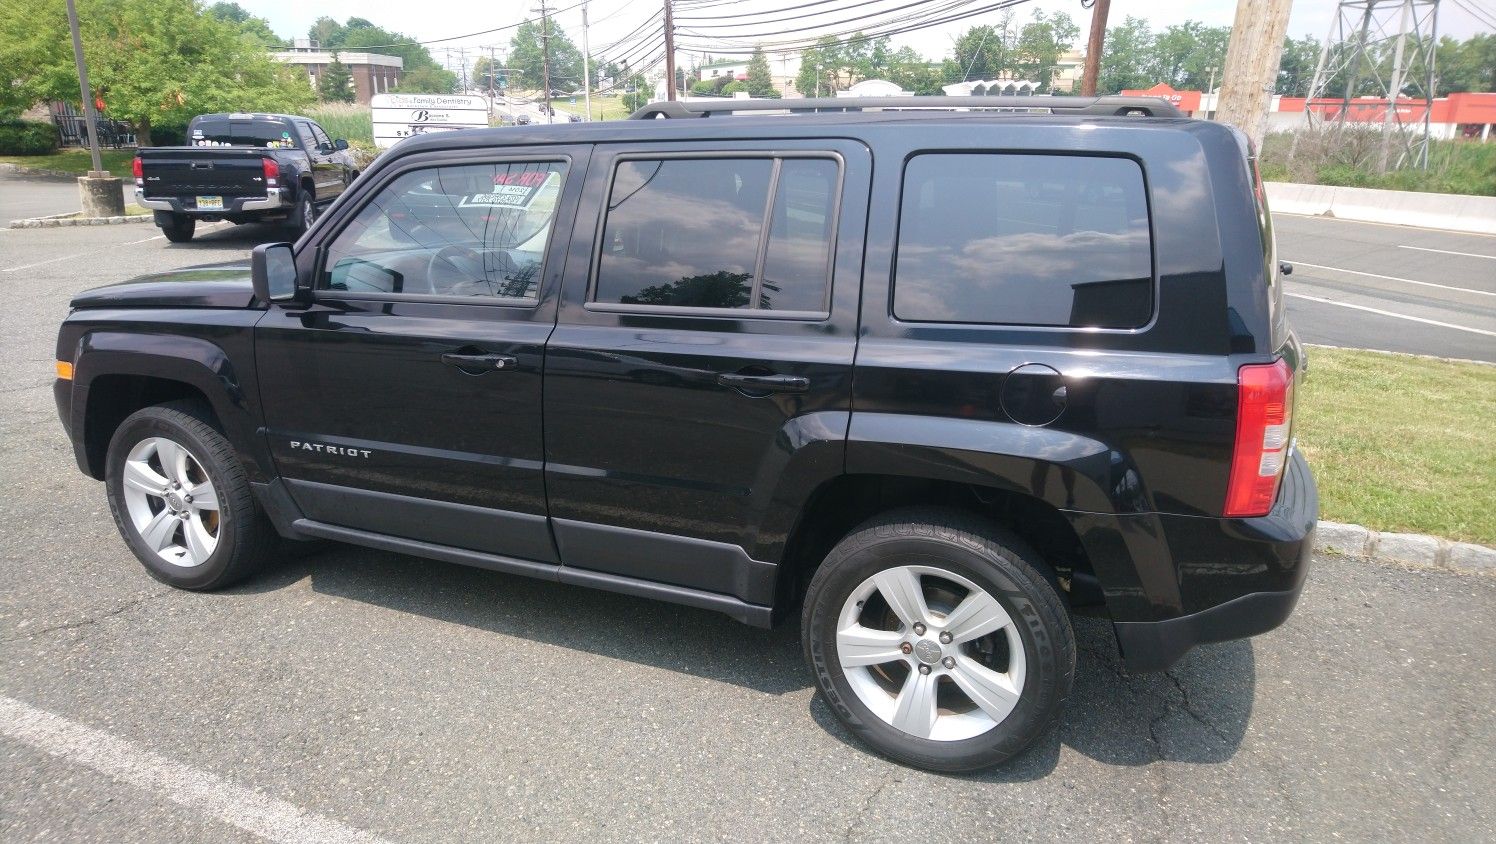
[72, 129]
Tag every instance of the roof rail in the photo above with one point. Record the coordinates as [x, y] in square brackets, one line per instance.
[1089, 106]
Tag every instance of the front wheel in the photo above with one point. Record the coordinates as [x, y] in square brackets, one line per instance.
[181, 500]
[937, 641]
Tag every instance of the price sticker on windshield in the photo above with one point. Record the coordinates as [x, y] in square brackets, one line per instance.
[510, 190]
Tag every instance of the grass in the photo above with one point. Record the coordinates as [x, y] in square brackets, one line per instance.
[1349, 159]
[1401, 443]
[345, 120]
[116, 161]
[603, 108]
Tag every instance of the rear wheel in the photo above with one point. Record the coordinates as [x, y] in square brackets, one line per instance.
[179, 229]
[937, 640]
[181, 500]
[304, 214]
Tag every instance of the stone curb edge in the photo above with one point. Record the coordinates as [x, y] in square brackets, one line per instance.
[72, 219]
[41, 172]
[1406, 548]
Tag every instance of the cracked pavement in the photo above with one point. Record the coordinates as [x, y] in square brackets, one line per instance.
[427, 702]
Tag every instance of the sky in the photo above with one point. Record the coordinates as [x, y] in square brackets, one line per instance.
[614, 19]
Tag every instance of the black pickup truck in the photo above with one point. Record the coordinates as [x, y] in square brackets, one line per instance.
[929, 382]
[243, 167]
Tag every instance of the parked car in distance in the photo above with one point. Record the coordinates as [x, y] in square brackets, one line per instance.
[927, 382]
[242, 168]
[522, 119]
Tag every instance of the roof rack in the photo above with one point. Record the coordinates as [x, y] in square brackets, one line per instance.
[1043, 104]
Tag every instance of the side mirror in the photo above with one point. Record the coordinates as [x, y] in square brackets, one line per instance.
[340, 144]
[272, 268]
[1285, 268]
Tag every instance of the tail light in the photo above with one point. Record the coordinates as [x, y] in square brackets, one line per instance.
[138, 168]
[1263, 416]
[272, 173]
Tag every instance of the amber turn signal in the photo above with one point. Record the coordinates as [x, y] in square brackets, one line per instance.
[64, 370]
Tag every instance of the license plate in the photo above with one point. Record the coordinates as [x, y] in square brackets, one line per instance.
[205, 202]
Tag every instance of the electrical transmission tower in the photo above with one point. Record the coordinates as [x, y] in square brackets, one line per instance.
[1382, 49]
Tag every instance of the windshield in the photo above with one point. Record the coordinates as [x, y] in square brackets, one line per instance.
[271, 134]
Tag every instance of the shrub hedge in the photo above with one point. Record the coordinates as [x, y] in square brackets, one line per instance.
[26, 137]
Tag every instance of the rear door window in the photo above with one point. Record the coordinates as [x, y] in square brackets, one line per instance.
[719, 233]
[1042, 240]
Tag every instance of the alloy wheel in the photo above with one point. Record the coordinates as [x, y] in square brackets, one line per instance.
[171, 501]
[930, 653]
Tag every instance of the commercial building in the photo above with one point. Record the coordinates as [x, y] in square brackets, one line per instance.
[373, 73]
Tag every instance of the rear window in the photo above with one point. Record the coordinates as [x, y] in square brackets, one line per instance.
[1044, 240]
[241, 133]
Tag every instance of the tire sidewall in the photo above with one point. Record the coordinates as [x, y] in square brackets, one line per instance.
[152, 423]
[993, 568]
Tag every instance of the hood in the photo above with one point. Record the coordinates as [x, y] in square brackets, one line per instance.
[216, 286]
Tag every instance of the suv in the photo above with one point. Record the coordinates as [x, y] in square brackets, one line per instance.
[931, 380]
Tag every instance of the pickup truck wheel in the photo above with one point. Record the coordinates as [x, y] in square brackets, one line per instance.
[181, 500]
[180, 229]
[937, 641]
[305, 213]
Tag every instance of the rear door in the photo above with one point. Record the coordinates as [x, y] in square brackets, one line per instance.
[700, 344]
[406, 400]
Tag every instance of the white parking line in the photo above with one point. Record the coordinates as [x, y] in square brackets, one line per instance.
[1323, 300]
[1447, 252]
[1394, 278]
[80, 255]
[194, 788]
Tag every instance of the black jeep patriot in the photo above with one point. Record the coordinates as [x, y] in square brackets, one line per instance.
[933, 374]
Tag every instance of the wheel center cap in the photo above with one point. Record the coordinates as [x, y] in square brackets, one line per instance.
[928, 651]
[174, 501]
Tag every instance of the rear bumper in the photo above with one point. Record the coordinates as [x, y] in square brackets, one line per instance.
[277, 201]
[1172, 582]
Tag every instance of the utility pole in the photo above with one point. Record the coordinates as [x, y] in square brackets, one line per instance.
[490, 84]
[1093, 48]
[586, 66]
[98, 192]
[1251, 69]
[545, 61]
[669, 50]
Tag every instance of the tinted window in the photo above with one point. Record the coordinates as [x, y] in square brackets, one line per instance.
[252, 133]
[690, 233]
[469, 230]
[1024, 239]
[320, 136]
[798, 261]
[308, 141]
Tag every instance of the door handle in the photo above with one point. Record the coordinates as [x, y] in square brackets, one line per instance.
[479, 363]
[764, 383]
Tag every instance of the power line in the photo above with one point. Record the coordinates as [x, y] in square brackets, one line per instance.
[857, 36]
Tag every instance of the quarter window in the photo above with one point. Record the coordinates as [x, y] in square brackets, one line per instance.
[1024, 239]
[467, 230]
[691, 233]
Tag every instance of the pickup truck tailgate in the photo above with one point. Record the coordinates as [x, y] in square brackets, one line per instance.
[202, 171]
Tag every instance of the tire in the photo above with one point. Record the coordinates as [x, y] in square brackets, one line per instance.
[180, 229]
[973, 702]
[304, 214]
[206, 548]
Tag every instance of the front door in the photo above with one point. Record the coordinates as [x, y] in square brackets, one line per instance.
[702, 354]
[327, 168]
[406, 399]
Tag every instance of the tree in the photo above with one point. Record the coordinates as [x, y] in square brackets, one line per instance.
[1126, 58]
[636, 93]
[1466, 65]
[427, 80]
[365, 36]
[1037, 50]
[526, 56]
[153, 62]
[256, 27]
[1296, 68]
[820, 67]
[336, 83]
[912, 72]
[760, 78]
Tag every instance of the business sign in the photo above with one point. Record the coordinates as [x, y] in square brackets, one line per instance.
[400, 116]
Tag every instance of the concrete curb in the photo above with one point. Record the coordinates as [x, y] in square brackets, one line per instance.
[38, 172]
[1405, 548]
[72, 219]
[1451, 212]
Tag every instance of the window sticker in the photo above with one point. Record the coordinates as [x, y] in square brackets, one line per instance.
[510, 190]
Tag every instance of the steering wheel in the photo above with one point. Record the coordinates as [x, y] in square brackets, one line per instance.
[455, 266]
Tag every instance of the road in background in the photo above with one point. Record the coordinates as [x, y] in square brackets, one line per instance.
[28, 196]
[1394, 288]
[422, 701]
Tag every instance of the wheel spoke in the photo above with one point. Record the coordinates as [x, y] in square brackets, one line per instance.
[173, 460]
[901, 588]
[858, 645]
[199, 542]
[140, 476]
[158, 532]
[975, 617]
[204, 496]
[914, 711]
[992, 692]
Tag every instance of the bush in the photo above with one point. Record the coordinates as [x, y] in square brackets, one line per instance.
[733, 87]
[705, 87]
[25, 137]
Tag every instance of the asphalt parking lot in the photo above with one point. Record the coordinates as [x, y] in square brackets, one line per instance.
[359, 695]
